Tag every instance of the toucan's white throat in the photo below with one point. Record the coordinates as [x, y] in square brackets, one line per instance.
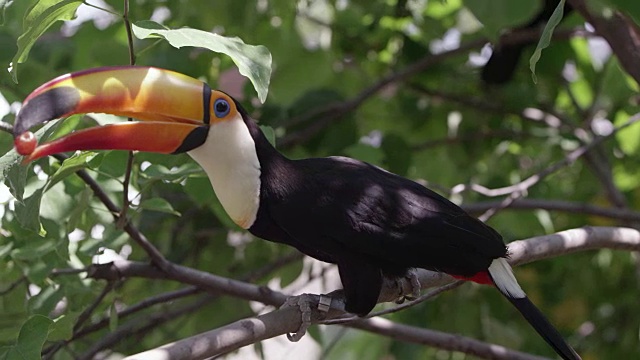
[229, 158]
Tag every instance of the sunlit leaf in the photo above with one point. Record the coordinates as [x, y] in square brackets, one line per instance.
[63, 327]
[545, 39]
[28, 212]
[4, 4]
[70, 166]
[161, 172]
[158, 204]
[628, 138]
[34, 249]
[253, 62]
[40, 17]
[615, 87]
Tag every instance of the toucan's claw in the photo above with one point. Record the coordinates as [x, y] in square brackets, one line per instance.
[302, 302]
[412, 275]
[414, 281]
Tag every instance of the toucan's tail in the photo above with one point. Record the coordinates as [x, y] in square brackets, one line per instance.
[502, 276]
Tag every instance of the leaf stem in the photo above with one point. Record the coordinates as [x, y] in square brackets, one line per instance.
[103, 9]
[127, 175]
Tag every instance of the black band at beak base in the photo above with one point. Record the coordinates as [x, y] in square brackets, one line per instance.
[195, 138]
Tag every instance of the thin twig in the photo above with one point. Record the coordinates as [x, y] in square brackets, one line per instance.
[8, 128]
[407, 304]
[70, 271]
[451, 342]
[134, 326]
[101, 8]
[489, 105]
[156, 256]
[13, 285]
[144, 304]
[326, 115]
[127, 172]
[518, 190]
[623, 214]
[86, 314]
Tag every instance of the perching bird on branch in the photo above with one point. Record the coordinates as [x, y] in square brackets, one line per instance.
[370, 222]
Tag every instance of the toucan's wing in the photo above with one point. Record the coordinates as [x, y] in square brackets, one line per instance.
[347, 206]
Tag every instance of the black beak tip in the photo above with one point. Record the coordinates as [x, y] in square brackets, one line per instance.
[46, 106]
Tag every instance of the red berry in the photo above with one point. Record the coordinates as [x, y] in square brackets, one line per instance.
[25, 143]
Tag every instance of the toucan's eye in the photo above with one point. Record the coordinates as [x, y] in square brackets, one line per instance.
[221, 108]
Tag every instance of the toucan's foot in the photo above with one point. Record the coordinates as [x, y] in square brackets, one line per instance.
[303, 302]
[412, 276]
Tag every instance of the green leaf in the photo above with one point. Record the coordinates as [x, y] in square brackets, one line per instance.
[497, 15]
[28, 212]
[398, 154]
[269, 133]
[253, 62]
[113, 317]
[5, 249]
[33, 334]
[161, 172]
[16, 173]
[629, 7]
[37, 20]
[17, 178]
[70, 166]
[34, 249]
[46, 300]
[615, 87]
[629, 138]
[63, 327]
[545, 39]
[4, 4]
[158, 204]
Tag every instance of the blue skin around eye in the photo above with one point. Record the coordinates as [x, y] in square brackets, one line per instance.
[223, 113]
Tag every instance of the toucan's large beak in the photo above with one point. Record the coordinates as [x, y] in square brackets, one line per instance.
[176, 110]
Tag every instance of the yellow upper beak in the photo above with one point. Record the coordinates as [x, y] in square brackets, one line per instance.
[176, 107]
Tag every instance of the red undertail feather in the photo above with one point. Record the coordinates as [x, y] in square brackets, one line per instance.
[480, 278]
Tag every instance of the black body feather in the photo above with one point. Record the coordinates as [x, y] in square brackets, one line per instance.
[367, 221]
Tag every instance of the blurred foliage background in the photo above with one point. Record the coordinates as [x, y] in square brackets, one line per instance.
[342, 84]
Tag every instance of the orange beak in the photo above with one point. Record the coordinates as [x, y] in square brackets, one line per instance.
[175, 109]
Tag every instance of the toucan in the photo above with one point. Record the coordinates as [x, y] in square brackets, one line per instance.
[369, 222]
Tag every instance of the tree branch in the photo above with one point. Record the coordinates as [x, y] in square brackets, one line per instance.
[248, 331]
[557, 205]
[518, 190]
[156, 256]
[622, 34]
[328, 114]
[441, 340]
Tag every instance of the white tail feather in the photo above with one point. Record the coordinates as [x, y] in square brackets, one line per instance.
[505, 281]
